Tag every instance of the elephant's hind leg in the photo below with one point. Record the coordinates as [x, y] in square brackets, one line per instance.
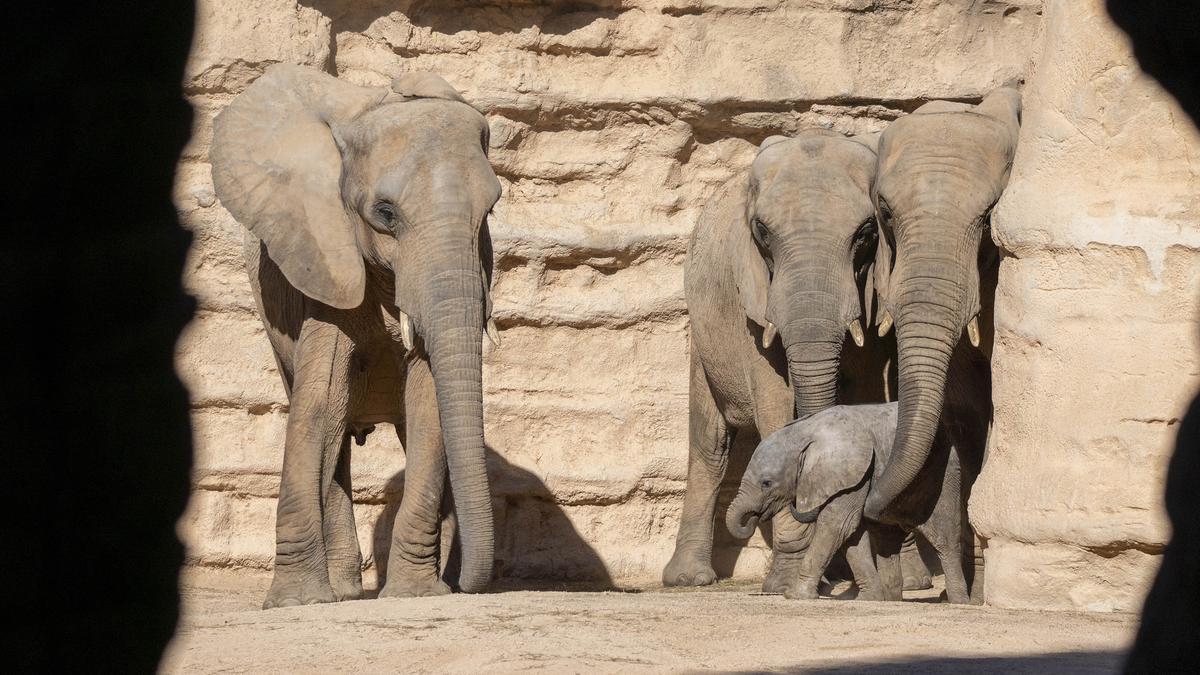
[709, 439]
[341, 536]
[916, 573]
[412, 569]
[315, 429]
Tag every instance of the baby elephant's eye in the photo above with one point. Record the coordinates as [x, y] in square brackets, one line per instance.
[766, 483]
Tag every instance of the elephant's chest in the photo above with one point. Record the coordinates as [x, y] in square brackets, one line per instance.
[379, 386]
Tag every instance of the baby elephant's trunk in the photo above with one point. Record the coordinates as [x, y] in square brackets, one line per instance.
[742, 517]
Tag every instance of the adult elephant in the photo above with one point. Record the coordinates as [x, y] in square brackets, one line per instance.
[940, 172]
[781, 250]
[370, 260]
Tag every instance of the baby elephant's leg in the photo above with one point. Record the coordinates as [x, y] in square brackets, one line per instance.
[838, 520]
[861, 557]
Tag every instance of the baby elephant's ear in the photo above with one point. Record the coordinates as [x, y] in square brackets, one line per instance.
[832, 466]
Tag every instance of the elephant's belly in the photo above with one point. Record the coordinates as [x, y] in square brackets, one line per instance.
[382, 387]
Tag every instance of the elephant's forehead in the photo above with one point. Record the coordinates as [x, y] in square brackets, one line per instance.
[816, 160]
[774, 453]
[836, 180]
[966, 144]
[422, 121]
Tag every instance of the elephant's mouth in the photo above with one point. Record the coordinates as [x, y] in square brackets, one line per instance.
[804, 516]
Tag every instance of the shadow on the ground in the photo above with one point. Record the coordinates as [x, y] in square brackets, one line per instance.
[1058, 662]
[537, 545]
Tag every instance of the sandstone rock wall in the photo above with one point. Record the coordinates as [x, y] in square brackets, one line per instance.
[611, 121]
[1096, 355]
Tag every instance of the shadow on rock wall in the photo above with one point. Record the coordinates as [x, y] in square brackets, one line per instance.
[537, 545]
[448, 17]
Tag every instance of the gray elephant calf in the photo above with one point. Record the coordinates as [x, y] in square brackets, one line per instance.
[821, 468]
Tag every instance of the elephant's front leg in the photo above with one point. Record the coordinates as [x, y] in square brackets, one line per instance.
[413, 561]
[316, 427]
[341, 536]
[838, 520]
[708, 456]
[789, 541]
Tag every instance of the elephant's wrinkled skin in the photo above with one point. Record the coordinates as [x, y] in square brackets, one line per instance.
[370, 260]
[783, 249]
[940, 172]
[819, 469]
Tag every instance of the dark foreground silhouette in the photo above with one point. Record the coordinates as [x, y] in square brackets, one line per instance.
[98, 444]
[1166, 41]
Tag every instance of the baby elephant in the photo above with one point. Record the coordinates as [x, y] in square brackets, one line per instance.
[821, 468]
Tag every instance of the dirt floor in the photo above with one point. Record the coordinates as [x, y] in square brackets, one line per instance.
[726, 628]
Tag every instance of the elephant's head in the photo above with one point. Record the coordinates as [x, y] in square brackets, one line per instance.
[349, 187]
[940, 172]
[810, 461]
[804, 252]
[769, 482]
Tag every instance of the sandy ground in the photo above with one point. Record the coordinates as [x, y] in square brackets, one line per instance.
[723, 628]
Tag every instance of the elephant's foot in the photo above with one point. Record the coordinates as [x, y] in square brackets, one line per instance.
[784, 573]
[346, 582]
[801, 589]
[688, 569]
[413, 586]
[871, 594]
[916, 573]
[293, 590]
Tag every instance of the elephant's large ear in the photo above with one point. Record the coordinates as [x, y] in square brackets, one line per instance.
[881, 268]
[425, 85]
[943, 107]
[277, 168]
[829, 468]
[1004, 106]
[750, 272]
[870, 141]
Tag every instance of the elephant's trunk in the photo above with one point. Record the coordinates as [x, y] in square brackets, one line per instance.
[742, 518]
[451, 323]
[813, 365]
[929, 321]
[809, 297]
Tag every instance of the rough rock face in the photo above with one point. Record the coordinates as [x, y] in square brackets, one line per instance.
[1096, 357]
[611, 122]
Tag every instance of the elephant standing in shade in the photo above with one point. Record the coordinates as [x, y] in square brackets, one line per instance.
[784, 249]
[940, 172]
[370, 261]
[819, 469]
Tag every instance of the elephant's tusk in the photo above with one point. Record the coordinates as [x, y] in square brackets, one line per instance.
[973, 331]
[856, 332]
[769, 334]
[885, 323]
[493, 333]
[406, 331]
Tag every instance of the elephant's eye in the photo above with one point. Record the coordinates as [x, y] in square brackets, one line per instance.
[760, 232]
[385, 212]
[766, 484]
[885, 213]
